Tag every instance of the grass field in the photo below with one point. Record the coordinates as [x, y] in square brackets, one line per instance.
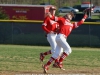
[24, 60]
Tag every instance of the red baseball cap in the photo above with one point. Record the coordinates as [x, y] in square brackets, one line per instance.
[52, 8]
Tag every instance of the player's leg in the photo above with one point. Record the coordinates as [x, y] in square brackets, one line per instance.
[42, 55]
[51, 40]
[56, 54]
[57, 59]
[67, 50]
[53, 45]
[61, 42]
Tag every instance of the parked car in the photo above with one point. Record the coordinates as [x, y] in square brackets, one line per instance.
[68, 9]
[81, 9]
[97, 9]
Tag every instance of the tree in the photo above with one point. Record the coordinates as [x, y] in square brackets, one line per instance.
[3, 15]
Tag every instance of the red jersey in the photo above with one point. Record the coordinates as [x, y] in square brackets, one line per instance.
[66, 26]
[49, 24]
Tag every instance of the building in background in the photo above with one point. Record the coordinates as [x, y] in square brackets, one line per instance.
[25, 12]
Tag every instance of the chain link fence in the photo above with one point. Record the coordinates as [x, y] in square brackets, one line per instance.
[31, 33]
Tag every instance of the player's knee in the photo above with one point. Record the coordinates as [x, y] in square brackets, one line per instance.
[55, 55]
[68, 51]
[61, 52]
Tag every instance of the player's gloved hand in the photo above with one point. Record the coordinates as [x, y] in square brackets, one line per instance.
[85, 14]
[51, 32]
[56, 30]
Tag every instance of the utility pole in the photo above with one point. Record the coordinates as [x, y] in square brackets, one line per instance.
[59, 3]
[90, 9]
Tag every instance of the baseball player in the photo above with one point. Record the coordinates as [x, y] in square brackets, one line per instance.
[65, 29]
[50, 27]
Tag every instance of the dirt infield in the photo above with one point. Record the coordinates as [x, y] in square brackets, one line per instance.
[54, 71]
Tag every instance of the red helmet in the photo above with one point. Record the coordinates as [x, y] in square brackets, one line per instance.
[52, 8]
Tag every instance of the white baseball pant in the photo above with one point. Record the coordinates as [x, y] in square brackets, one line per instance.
[51, 37]
[61, 43]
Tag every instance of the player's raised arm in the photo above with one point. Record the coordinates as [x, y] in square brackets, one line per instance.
[77, 24]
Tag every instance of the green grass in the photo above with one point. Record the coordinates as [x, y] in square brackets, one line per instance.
[20, 58]
[95, 17]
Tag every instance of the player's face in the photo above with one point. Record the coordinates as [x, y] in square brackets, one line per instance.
[53, 12]
[69, 17]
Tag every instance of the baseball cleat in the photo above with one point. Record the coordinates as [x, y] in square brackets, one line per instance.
[60, 65]
[55, 65]
[62, 69]
[41, 57]
[45, 68]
